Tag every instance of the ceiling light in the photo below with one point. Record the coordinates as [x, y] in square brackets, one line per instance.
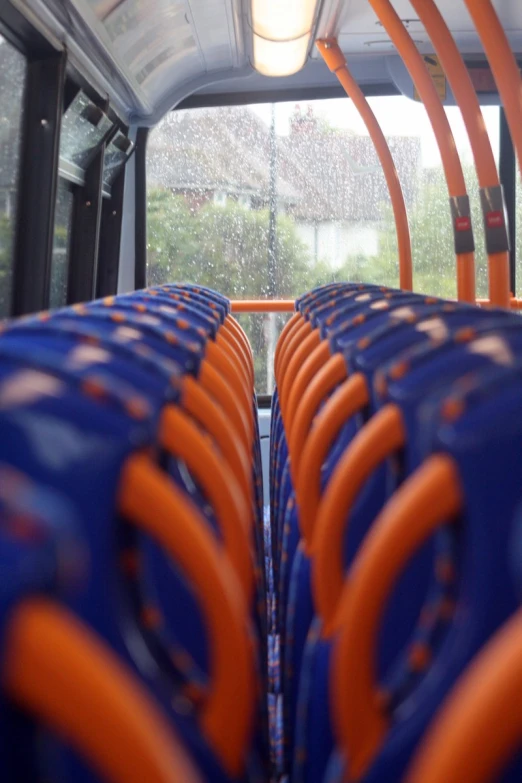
[282, 31]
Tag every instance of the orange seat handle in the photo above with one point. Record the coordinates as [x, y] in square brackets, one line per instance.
[58, 671]
[285, 333]
[428, 499]
[211, 416]
[378, 439]
[349, 398]
[318, 377]
[479, 728]
[181, 438]
[214, 384]
[149, 500]
[302, 330]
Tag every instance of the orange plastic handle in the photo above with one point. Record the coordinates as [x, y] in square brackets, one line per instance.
[231, 347]
[314, 364]
[212, 381]
[464, 92]
[237, 329]
[148, 499]
[503, 65]
[203, 409]
[378, 439]
[183, 439]
[316, 390]
[413, 61]
[216, 356]
[336, 62]
[349, 398]
[245, 356]
[301, 331]
[263, 305]
[300, 356]
[428, 499]
[479, 728]
[287, 329]
[58, 671]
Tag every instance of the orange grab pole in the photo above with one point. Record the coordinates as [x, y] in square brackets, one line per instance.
[503, 65]
[57, 670]
[428, 499]
[336, 62]
[263, 305]
[148, 500]
[460, 210]
[479, 728]
[462, 87]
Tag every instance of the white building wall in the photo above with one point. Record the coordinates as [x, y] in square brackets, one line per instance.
[334, 242]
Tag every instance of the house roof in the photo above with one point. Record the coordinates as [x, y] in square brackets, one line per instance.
[323, 174]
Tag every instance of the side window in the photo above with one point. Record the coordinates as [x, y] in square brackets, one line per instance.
[12, 81]
[61, 243]
[84, 127]
[220, 179]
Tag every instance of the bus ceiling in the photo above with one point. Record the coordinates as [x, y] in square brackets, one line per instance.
[150, 56]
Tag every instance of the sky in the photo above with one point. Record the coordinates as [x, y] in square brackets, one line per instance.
[398, 116]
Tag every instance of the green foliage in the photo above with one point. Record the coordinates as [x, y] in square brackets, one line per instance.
[5, 264]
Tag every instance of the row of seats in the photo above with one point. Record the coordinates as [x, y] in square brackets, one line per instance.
[133, 611]
[396, 492]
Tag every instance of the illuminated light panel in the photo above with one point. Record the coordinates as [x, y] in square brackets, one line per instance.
[283, 20]
[280, 58]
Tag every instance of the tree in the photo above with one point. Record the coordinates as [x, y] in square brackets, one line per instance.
[225, 248]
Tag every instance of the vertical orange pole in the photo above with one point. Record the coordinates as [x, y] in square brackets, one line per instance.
[497, 239]
[336, 62]
[460, 209]
[503, 65]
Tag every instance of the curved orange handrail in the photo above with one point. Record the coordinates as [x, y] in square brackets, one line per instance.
[349, 398]
[241, 349]
[379, 439]
[216, 356]
[503, 65]
[231, 343]
[203, 409]
[287, 329]
[299, 357]
[181, 438]
[298, 335]
[322, 382]
[479, 728]
[441, 127]
[262, 305]
[294, 325]
[336, 62]
[236, 327]
[427, 499]
[148, 499]
[314, 364]
[212, 381]
[57, 670]
[463, 90]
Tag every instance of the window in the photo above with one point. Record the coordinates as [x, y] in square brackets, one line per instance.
[12, 81]
[61, 242]
[313, 167]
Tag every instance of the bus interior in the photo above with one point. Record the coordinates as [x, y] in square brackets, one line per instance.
[260, 391]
